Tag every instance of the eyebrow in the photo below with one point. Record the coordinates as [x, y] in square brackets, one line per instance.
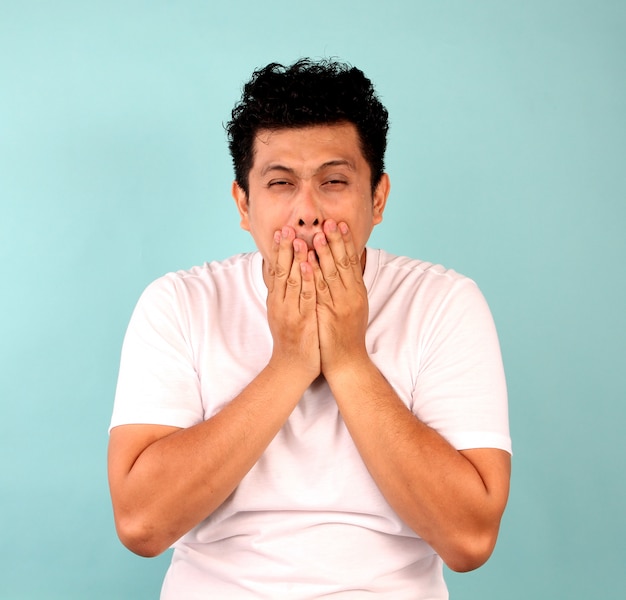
[322, 167]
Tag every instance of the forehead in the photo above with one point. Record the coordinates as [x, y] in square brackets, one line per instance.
[316, 144]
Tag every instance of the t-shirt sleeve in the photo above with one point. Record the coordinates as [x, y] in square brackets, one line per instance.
[157, 383]
[461, 389]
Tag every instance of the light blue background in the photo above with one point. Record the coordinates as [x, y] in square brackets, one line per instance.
[507, 155]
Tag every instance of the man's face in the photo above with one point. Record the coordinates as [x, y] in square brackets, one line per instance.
[302, 177]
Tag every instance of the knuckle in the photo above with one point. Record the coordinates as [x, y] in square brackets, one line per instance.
[280, 272]
[344, 262]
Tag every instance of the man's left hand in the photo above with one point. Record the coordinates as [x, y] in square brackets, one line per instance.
[342, 307]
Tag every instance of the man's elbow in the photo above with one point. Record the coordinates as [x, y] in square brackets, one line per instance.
[470, 553]
[139, 538]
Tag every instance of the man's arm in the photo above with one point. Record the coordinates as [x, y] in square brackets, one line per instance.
[453, 500]
[166, 480]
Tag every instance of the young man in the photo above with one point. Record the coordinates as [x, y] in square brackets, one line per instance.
[317, 418]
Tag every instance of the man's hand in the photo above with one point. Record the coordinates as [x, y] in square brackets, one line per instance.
[342, 307]
[420, 474]
[165, 480]
[291, 306]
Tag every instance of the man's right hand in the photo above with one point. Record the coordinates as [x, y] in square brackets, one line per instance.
[291, 307]
[166, 480]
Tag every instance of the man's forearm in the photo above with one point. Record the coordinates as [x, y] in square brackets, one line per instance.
[451, 499]
[164, 487]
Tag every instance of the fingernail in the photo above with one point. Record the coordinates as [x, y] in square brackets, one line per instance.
[343, 228]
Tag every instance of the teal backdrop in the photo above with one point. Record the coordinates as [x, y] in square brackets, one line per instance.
[507, 155]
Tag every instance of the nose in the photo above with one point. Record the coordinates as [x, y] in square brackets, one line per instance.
[308, 214]
[303, 223]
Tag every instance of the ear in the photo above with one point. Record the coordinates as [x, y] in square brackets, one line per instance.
[380, 198]
[241, 200]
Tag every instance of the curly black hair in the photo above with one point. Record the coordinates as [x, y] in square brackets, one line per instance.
[303, 94]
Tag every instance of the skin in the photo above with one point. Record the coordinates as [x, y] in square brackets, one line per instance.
[310, 211]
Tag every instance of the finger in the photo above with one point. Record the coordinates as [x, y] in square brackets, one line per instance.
[327, 267]
[338, 250]
[271, 272]
[334, 260]
[353, 256]
[322, 290]
[284, 260]
[294, 281]
[307, 291]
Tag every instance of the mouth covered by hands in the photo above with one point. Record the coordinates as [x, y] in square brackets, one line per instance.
[317, 301]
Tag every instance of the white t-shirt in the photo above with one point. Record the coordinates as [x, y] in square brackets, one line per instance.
[308, 521]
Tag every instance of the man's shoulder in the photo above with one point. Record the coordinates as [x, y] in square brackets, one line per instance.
[233, 265]
[239, 266]
[386, 268]
[241, 272]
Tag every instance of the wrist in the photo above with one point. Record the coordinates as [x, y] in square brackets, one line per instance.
[292, 372]
[355, 368]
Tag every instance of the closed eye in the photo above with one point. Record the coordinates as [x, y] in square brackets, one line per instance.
[335, 182]
[278, 182]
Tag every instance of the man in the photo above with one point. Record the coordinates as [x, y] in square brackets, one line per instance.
[317, 418]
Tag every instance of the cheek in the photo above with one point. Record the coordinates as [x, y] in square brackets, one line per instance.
[262, 228]
[362, 229]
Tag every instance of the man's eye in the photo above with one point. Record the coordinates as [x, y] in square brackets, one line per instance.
[335, 182]
[278, 182]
